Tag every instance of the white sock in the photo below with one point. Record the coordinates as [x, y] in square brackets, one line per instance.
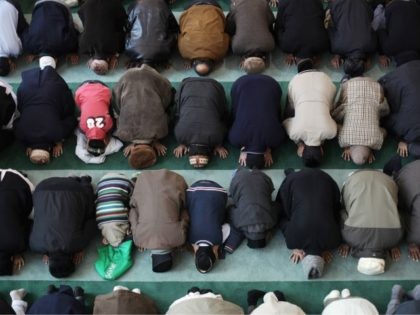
[136, 290]
[18, 294]
[119, 287]
[345, 293]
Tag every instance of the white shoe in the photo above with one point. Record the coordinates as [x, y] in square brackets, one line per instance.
[136, 290]
[119, 287]
[345, 293]
[333, 295]
[18, 295]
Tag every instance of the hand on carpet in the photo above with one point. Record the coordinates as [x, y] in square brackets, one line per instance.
[297, 255]
[344, 250]
[414, 252]
[180, 151]
[395, 253]
[222, 152]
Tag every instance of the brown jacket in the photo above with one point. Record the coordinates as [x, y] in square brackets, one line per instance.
[158, 216]
[142, 97]
[124, 302]
[202, 33]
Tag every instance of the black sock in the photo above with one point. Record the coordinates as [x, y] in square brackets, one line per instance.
[254, 296]
[193, 290]
[279, 295]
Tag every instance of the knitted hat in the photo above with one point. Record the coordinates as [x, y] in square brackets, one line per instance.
[4, 66]
[313, 266]
[256, 243]
[39, 156]
[46, 61]
[199, 155]
[96, 147]
[6, 264]
[61, 265]
[142, 156]
[204, 259]
[371, 266]
[255, 160]
[99, 66]
[305, 64]
[161, 263]
[312, 155]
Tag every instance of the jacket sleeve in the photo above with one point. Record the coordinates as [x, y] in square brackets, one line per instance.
[22, 23]
[281, 8]
[173, 26]
[68, 119]
[116, 104]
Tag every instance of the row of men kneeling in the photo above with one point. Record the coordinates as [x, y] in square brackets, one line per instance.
[160, 213]
[142, 99]
[65, 300]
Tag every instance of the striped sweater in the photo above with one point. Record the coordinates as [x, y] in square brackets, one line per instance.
[113, 196]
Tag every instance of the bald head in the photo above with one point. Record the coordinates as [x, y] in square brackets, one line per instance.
[359, 154]
[202, 68]
[253, 65]
[99, 66]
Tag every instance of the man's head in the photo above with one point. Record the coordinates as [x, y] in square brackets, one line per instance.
[204, 259]
[255, 160]
[202, 66]
[61, 265]
[99, 66]
[313, 266]
[305, 64]
[4, 66]
[371, 266]
[359, 154]
[142, 156]
[253, 65]
[6, 264]
[354, 66]
[40, 156]
[47, 61]
[96, 147]
[312, 155]
[199, 155]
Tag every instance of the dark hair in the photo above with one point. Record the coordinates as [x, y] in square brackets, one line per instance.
[305, 64]
[4, 66]
[255, 160]
[61, 265]
[204, 259]
[354, 67]
[96, 147]
[312, 155]
[198, 149]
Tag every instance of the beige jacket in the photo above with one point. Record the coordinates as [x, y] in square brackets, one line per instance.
[158, 216]
[311, 94]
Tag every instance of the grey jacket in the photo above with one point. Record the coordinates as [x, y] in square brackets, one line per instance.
[408, 180]
[254, 212]
[250, 24]
[142, 97]
[371, 219]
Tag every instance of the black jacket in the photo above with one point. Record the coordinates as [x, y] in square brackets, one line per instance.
[16, 205]
[310, 211]
[300, 28]
[402, 28]
[153, 31]
[402, 91]
[254, 213]
[64, 216]
[256, 113]
[7, 116]
[22, 23]
[351, 31]
[201, 112]
[46, 107]
[51, 31]
[105, 23]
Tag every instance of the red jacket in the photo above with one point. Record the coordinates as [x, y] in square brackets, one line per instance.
[93, 100]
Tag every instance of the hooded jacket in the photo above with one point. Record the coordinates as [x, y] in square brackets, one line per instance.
[371, 219]
[204, 40]
[104, 23]
[401, 31]
[16, 200]
[158, 216]
[124, 302]
[201, 112]
[94, 99]
[408, 180]
[351, 31]
[360, 106]
[311, 95]
[46, 108]
[299, 28]
[253, 212]
[250, 25]
[256, 113]
[12, 25]
[142, 97]
[310, 211]
[153, 31]
[51, 31]
[60, 302]
[206, 204]
[402, 93]
[64, 216]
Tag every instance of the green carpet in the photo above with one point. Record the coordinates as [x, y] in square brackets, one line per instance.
[265, 269]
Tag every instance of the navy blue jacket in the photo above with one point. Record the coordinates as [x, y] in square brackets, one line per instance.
[16, 205]
[402, 91]
[310, 211]
[206, 204]
[201, 112]
[256, 113]
[51, 31]
[61, 302]
[47, 109]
